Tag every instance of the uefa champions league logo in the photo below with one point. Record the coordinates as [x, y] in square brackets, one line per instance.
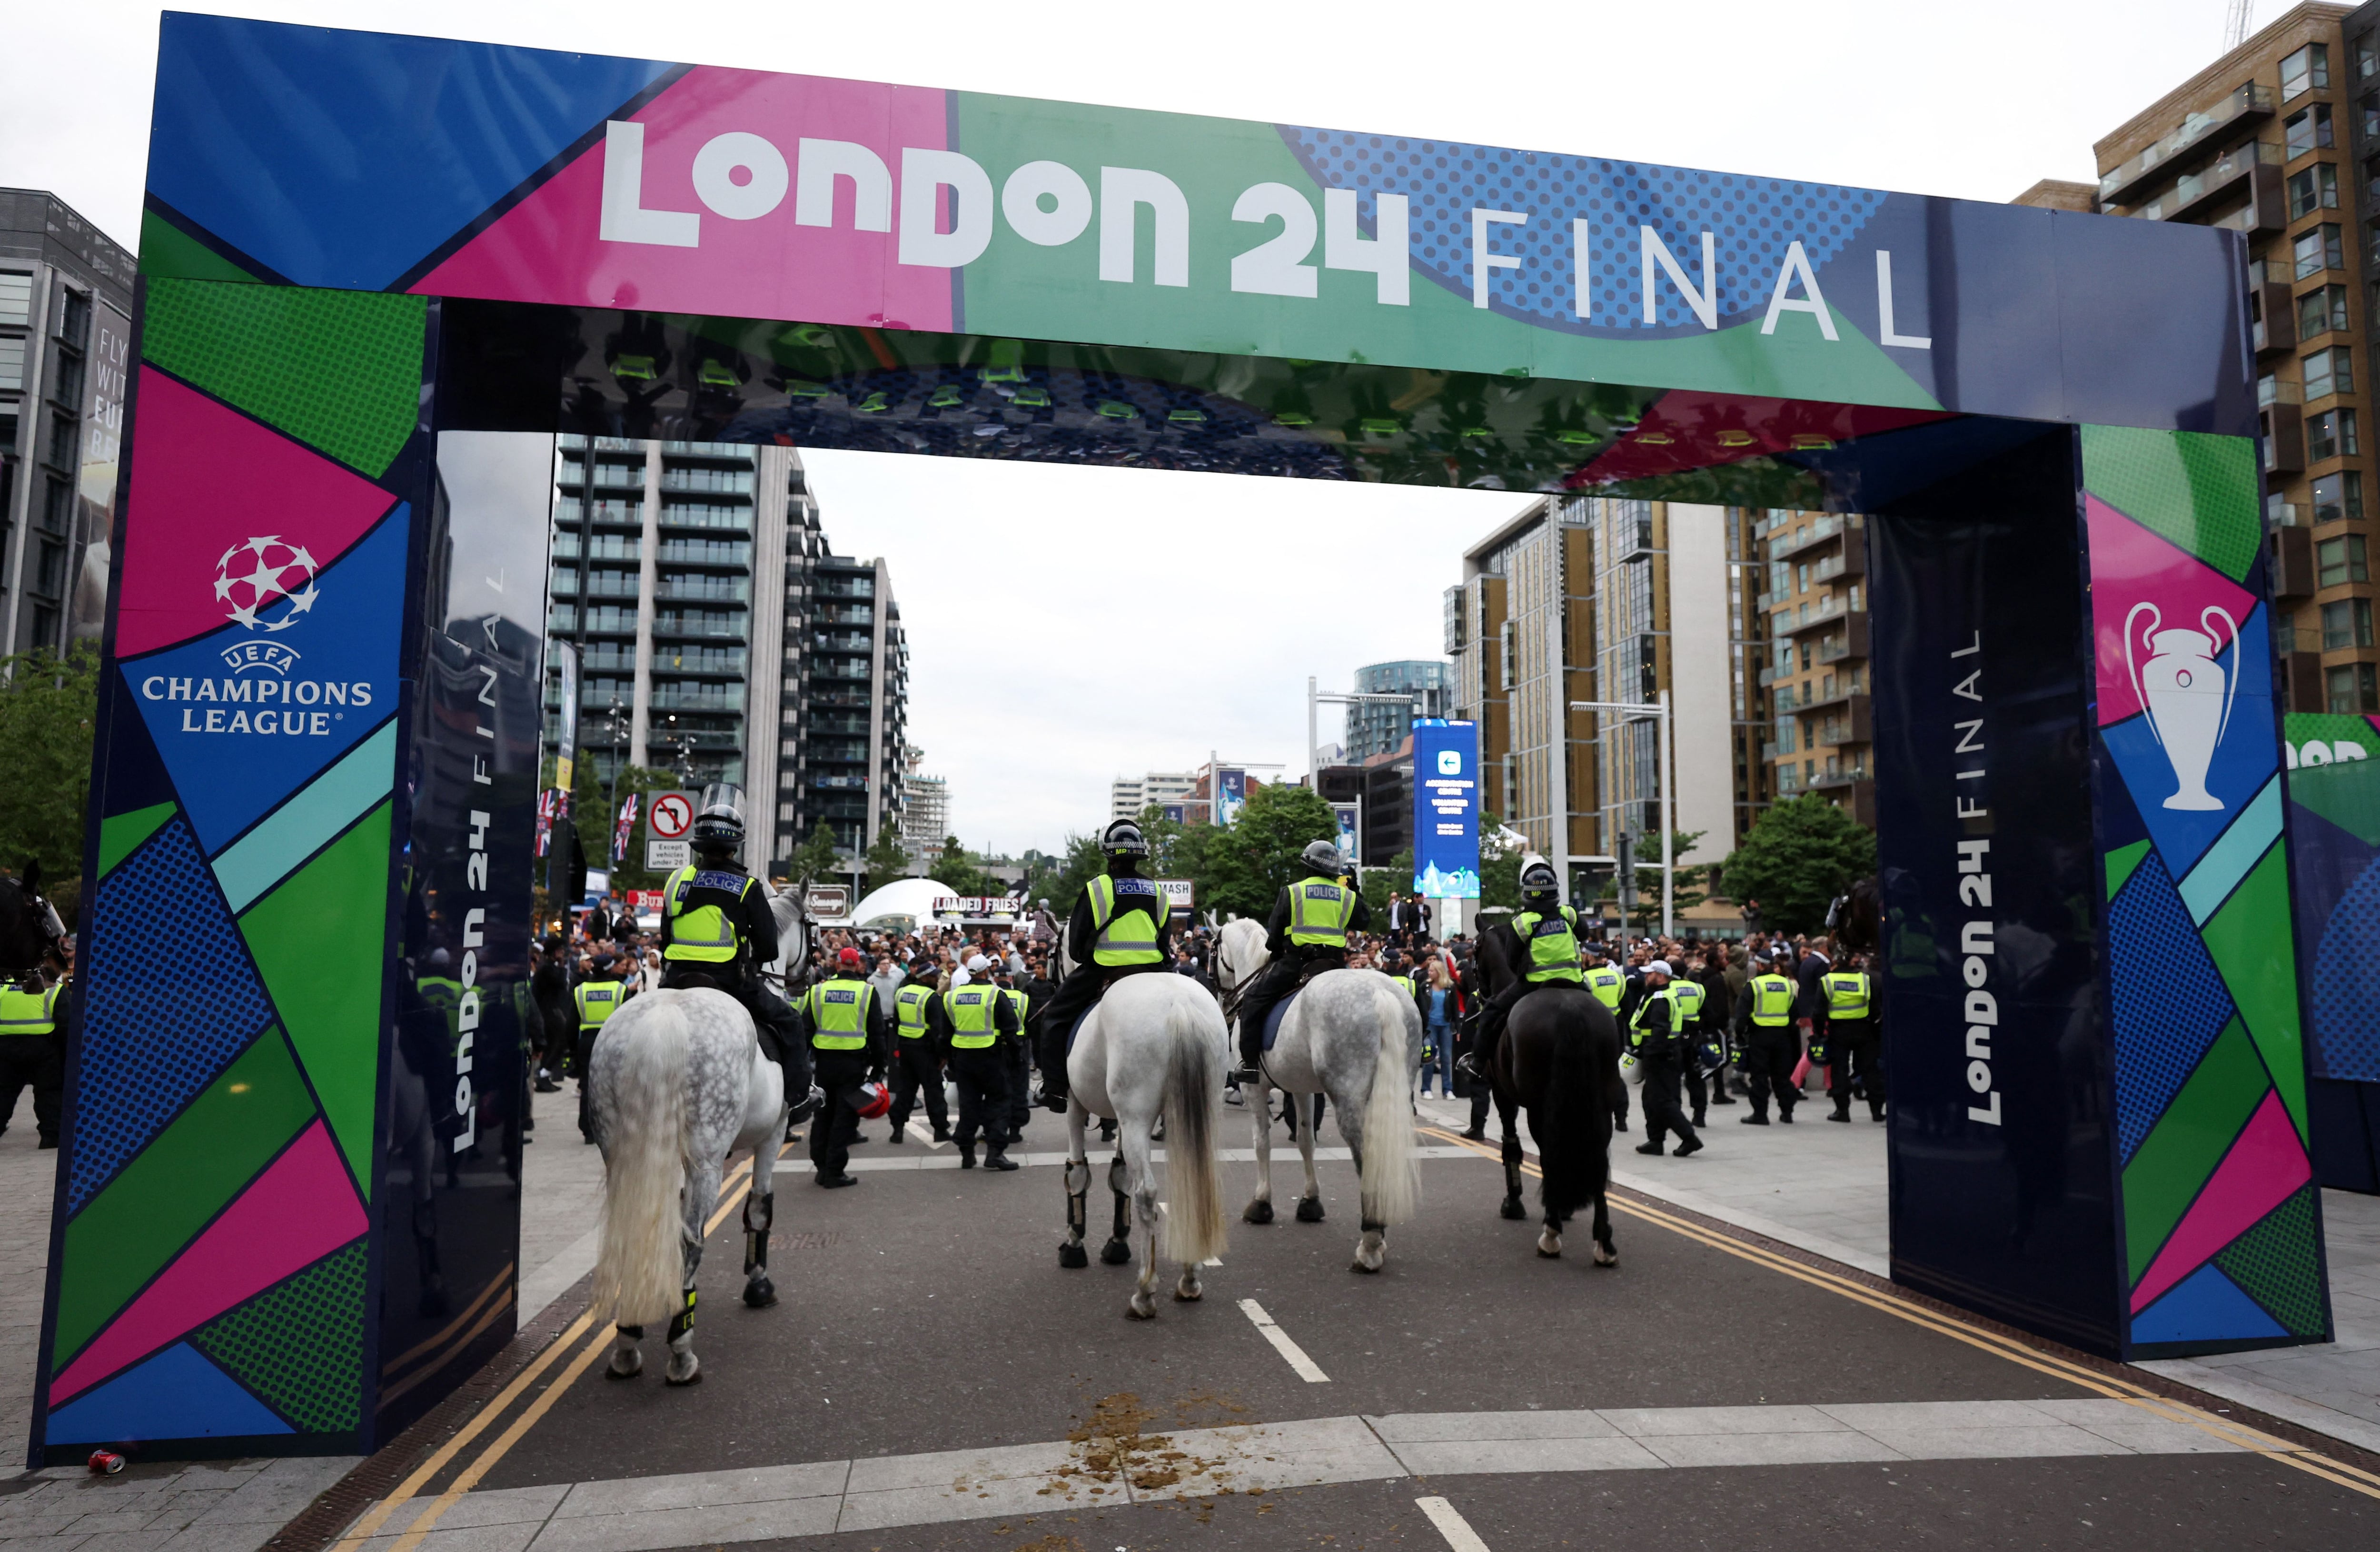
[252, 577]
[2185, 694]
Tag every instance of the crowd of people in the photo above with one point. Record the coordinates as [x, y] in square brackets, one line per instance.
[881, 1021]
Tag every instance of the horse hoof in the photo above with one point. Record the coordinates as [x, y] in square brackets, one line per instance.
[1189, 1294]
[1309, 1209]
[1606, 1256]
[1512, 1210]
[1549, 1245]
[1115, 1253]
[1072, 1256]
[760, 1294]
[1545, 1254]
[1259, 1212]
[693, 1377]
[1142, 1307]
[612, 1371]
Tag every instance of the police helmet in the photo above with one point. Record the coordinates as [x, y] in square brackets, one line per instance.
[1123, 838]
[1321, 857]
[718, 823]
[1538, 885]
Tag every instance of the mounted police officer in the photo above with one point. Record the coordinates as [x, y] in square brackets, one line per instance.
[1307, 932]
[846, 1027]
[1121, 927]
[717, 931]
[1541, 945]
[1767, 1046]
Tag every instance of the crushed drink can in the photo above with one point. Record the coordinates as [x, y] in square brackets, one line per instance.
[105, 1462]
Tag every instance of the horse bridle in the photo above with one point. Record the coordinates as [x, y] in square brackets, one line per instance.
[54, 932]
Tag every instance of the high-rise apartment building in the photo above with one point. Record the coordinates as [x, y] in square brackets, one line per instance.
[720, 640]
[1813, 594]
[1378, 727]
[1128, 796]
[66, 346]
[925, 810]
[2279, 141]
[1589, 598]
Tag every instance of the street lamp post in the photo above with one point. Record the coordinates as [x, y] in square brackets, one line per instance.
[1658, 712]
[1315, 697]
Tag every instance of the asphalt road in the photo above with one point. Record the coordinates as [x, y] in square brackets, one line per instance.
[925, 1310]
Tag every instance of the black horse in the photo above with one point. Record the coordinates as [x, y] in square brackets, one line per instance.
[1560, 1060]
[30, 929]
[1856, 918]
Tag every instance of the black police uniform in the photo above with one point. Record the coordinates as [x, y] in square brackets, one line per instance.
[1020, 1064]
[840, 1073]
[1661, 1047]
[981, 1075]
[38, 1061]
[1282, 973]
[744, 901]
[1083, 985]
[917, 1064]
[1766, 1053]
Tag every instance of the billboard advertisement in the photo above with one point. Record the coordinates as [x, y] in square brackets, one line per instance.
[1351, 831]
[2334, 787]
[1232, 787]
[1446, 809]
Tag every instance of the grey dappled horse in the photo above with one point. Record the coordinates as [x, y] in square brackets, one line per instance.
[1353, 1035]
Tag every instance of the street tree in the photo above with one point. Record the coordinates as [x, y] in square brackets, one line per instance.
[1796, 859]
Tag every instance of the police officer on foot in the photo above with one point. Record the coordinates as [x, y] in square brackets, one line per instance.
[980, 1017]
[918, 1059]
[1766, 1044]
[1657, 1033]
[596, 999]
[1019, 1053]
[1121, 927]
[847, 1041]
[717, 931]
[1855, 1050]
[31, 1052]
[1309, 925]
[1540, 944]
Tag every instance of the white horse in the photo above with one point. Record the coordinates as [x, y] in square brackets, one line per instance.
[1350, 1035]
[1154, 1043]
[678, 1083]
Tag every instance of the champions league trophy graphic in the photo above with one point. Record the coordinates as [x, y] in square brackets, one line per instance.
[2185, 695]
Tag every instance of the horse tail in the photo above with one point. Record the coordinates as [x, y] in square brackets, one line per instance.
[1390, 1188]
[1193, 1215]
[1564, 1121]
[640, 1262]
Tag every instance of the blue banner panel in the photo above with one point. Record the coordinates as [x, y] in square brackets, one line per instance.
[2001, 1145]
[1446, 809]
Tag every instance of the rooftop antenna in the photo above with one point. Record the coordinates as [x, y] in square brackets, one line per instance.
[2235, 24]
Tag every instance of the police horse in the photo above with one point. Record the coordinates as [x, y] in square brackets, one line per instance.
[1351, 1035]
[1153, 1045]
[1560, 1061]
[679, 1083]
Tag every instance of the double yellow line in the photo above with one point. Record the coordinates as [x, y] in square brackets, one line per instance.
[737, 1185]
[2353, 1478]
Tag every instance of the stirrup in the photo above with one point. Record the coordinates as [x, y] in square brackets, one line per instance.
[1467, 1064]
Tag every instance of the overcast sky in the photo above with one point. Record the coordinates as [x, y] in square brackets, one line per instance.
[1255, 584]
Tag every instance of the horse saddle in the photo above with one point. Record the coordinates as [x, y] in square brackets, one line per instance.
[1272, 1020]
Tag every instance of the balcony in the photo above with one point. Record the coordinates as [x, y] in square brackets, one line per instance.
[698, 697]
[728, 625]
[1853, 724]
[1825, 612]
[1852, 643]
[2276, 317]
[1851, 562]
[2272, 390]
[2284, 439]
[844, 641]
[706, 552]
[1795, 543]
[2265, 214]
[707, 481]
[2293, 567]
[723, 589]
[2243, 109]
[2192, 194]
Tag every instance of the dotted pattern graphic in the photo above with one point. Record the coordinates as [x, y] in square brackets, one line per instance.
[338, 370]
[2275, 1262]
[2201, 493]
[1756, 218]
[151, 1040]
[300, 1344]
[2169, 1003]
[2346, 985]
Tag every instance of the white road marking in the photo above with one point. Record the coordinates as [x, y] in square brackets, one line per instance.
[925, 1134]
[1308, 1370]
[1452, 1526]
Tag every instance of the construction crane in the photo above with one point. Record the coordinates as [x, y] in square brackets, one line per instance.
[2235, 25]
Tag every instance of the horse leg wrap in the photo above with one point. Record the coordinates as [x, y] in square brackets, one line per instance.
[1078, 1199]
[759, 1214]
[634, 1333]
[1116, 1177]
[683, 1321]
[1372, 1228]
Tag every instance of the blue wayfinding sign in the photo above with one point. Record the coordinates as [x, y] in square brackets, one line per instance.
[1446, 809]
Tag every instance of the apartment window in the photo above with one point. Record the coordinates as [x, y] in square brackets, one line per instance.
[62, 441]
[2306, 70]
[2329, 372]
[2367, 111]
[2367, 57]
[2321, 310]
[2354, 687]
[2315, 187]
[2309, 129]
[12, 362]
[2336, 496]
[2346, 624]
[2319, 248]
[15, 298]
[2341, 560]
[2331, 434]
